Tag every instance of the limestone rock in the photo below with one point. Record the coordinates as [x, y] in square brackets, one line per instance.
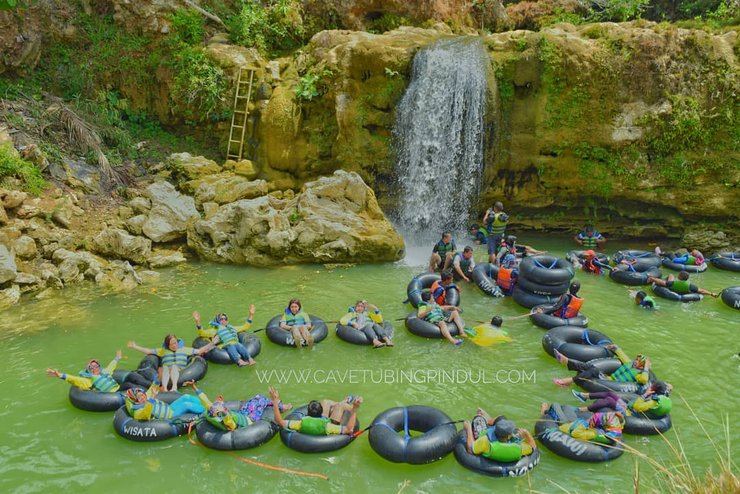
[117, 243]
[170, 214]
[25, 247]
[28, 211]
[707, 241]
[140, 205]
[8, 268]
[244, 167]
[3, 216]
[209, 209]
[165, 258]
[149, 277]
[13, 198]
[10, 296]
[226, 187]
[124, 212]
[135, 225]
[191, 167]
[335, 219]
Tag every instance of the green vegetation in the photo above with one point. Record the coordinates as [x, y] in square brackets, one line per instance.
[313, 83]
[386, 22]
[201, 84]
[13, 167]
[188, 27]
[275, 26]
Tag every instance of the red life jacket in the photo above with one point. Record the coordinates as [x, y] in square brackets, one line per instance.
[442, 298]
[590, 266]
[571, 310]
[504, 279]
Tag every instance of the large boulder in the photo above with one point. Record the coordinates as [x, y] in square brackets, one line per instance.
[189, 167]
[117, 243]
[224, 188]
[334, 219]
[170, 213]
[8, 268]
[25, 247]
[10, 296]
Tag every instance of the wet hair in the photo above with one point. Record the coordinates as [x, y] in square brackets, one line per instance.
[315, 409]
[444, 234]
[426, 296]
[660, 388]
[498, 205]
[640, 296]
[446, 275]
[295, 301]
[467, 249]
[510, 240]
[166, 343]
[497, 321]
[588, 227]
[474, 226]
[574, 287]
[683, 276]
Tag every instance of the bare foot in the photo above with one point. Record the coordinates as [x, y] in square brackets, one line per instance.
[563, 383]
[543, 408]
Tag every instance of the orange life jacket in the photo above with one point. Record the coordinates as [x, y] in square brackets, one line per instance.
[504, 279]
[571, 310]
[590, 266]
[442, 298]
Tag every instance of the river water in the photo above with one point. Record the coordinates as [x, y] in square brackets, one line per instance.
[48, 445]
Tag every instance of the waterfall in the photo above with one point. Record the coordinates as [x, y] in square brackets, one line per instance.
[439, 133]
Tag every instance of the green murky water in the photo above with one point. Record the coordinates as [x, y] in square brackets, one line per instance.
[48, 445]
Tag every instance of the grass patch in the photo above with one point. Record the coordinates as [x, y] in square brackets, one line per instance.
[12, 167]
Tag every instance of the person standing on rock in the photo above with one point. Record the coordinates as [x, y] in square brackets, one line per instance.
[495, 220]
[442, 253]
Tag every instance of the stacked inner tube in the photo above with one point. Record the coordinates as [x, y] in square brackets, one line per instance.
[546, 320]
[307, 443]
[352, 335]
[665, 292]
[423, 282]
[731, 297]
[436, 441]
[565, 445]
[607, 366]
[248, 437]
[624, 275]
[689, 268]
[576, 257]
[641, 260]
[727, 260]
[275, 334]
[576, 343]
[152, 430]
[484, 275]
[542, 280]
[425, 329]
[493, 468]
[221, 356]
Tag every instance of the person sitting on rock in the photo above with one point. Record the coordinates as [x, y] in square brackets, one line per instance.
[442, 253]
[221, 417]
[144, 405]
[508, 275]
[101, 379]
[433, 313]
[174, 357]
[636, 371]
[478, 234]
[463, 264]
[590, 238]
[298, 323]
[370, 323]
[497, 439]
[323, 417]
[680, 285]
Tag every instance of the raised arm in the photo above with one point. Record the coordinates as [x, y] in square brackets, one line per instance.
[349, 429]
[275, 398]
[149, 351]
[248, 324]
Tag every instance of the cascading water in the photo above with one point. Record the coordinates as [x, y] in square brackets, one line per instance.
[439, 137]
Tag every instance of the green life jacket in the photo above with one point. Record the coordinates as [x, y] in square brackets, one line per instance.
[178, 358]
[690, 261]
[299, 319]
[602, 439]
[498, 225]
[504, 452]
[443, 248]
[648, 301]
[102, 382]
[681, 287]
[483, 231]
[241, 420]
[227, 335]
[160, 409]
[315, 426]
[434, 315]
[625, 374]
[663, 407]
[589, 243]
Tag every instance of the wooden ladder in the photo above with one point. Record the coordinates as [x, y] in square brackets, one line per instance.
[235, 149]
